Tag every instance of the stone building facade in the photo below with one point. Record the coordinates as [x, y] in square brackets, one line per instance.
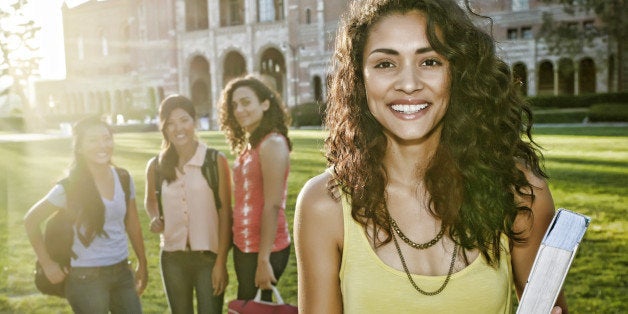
[124, 56]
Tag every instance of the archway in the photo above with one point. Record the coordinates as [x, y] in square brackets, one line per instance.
[546, 78]
[234, 66]
[520, 75]
[273, 64]
[200, 90]
[586, 76]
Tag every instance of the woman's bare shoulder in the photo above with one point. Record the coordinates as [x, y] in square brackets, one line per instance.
[320, 193]
[317, 203]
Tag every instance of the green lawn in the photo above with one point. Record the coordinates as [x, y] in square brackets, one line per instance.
[588, 169]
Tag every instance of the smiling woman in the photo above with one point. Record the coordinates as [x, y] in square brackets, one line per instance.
[409, 84]
[434, 189]
[103, 219]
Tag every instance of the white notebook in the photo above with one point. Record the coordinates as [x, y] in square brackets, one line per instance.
[552, 262]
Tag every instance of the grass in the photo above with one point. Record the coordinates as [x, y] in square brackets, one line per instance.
[588, 169]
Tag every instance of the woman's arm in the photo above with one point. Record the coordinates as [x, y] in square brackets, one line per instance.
[150, 199]
[220, 276]
[533, 227]
[275, 161]
[134, 231]
[318, 238]
[32, 222]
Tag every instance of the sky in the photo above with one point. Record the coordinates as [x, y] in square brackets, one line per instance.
[47, 14]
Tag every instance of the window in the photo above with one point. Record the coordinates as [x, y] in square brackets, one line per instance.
[81, 48]
[520, 5]
[270, 10]
[266, 10]
[231, 12]
[308, 16]
[513, 33]
[105, 46]
[235, 13]
[589, 27]
[526, 32]
[196, 15]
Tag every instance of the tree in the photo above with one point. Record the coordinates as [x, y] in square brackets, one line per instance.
[563, 37]
[19, 60]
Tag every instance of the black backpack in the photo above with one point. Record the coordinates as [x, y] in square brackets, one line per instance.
[209, 169]
[59, 237]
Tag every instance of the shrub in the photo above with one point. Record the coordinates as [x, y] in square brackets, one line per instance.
[609, 112]
[307, 114]
[572, 101]
[13, 123]
[559, 117]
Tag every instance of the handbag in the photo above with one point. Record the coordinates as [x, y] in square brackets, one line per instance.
[58, 239]
[45, 286]
[257, 306]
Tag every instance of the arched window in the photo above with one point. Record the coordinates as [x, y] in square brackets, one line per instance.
[80, 49]
[520, 76]
[200, 86]
[318, 89]
[546, 78]
[273, 64]
[234, 66]
[586, 76]
[308, 16]
[104, 45]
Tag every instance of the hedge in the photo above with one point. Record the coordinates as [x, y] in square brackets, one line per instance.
[560, 117]
[15, 124]
[610, 112]
[573, 101]
[308, 114]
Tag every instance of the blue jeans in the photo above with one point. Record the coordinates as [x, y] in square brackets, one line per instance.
[184, 272]
[96, 290]
[245, 265]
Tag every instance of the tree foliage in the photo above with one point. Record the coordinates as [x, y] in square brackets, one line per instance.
[563, 37]
[612, 13]
[19, 59]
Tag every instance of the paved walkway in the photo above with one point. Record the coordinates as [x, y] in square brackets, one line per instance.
[23, 137]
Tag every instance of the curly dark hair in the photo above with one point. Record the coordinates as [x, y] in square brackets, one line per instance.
[275, 119]
[472, 177]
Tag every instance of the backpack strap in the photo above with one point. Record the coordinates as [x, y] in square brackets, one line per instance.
[125, 180]
[210, 172]
[158, 181]
[209, 169]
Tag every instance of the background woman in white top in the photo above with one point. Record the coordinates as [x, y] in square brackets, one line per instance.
[99, 279]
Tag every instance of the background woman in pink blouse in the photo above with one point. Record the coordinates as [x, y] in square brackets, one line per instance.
[195, 235]
[255, 123]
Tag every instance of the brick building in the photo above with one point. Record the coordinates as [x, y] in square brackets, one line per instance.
[124, 56]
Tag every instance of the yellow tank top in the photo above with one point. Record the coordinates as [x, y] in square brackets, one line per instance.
[370, 286]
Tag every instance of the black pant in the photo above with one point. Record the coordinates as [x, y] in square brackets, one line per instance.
[245, 265]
